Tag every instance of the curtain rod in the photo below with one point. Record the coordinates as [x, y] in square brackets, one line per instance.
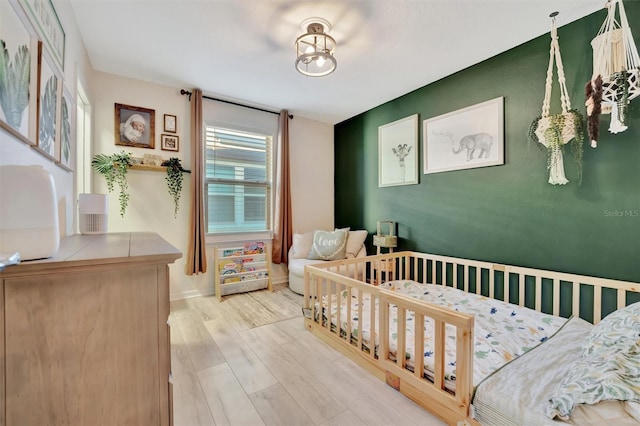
[187, 93]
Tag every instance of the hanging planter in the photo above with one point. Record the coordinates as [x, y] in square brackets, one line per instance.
[114, 168]
[616, 73]
[174, 181]
[555, 131]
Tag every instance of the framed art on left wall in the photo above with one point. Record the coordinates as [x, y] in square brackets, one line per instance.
[49, 93]
[18, 66]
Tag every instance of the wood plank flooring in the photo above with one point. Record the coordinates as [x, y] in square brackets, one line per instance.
[249, 361]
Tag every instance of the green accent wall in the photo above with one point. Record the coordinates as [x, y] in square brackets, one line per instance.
[506, 214]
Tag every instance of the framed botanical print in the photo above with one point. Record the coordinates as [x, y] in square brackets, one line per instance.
[398, 152]
[45, 20]
[19, 70]
[65, 147]
[170, 123]
[135, 126]
[49, 92]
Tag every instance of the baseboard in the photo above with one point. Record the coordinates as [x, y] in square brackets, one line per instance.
[190, 294]
[196, 293]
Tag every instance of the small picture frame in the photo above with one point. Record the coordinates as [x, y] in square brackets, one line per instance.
[170, 123]
[169, 142]
[134, 126]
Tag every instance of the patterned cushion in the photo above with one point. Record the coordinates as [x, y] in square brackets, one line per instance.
[328, 245]
[609, 368]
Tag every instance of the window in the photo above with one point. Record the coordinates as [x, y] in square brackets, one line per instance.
[238, 181]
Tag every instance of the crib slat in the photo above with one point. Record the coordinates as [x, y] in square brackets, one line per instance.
[520, 289]
[538, 293]
[466, 282]
[418, 368]
[454, 282]
[506, 284]
[360, 321]
[492, 282]
[464, 365]
[597, 304]
[622, 295]
[383, 353]
[575, 299]
[424, 271]
[348, 315]
[372, 330]
[402, 344]
[433, 271]
[339, 310]
[556, 297]
[438, 354]
[478, 279]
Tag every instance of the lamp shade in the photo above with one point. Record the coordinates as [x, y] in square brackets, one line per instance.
[315, 48]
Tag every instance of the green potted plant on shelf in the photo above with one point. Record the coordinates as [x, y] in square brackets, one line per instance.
[174, 181]
[114, 168]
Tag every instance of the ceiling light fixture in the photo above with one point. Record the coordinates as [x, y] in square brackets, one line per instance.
[314, 50]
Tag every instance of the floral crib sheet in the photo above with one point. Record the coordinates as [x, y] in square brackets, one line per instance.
[502, 331]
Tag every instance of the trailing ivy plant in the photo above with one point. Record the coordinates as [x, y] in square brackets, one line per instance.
[114, 168]
[174, 181]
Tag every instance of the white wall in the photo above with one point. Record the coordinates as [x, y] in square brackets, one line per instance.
[151, 208]
[12, 151]
[312, 173]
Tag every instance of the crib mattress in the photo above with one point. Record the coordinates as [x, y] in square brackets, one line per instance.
[502, 331]
[518, 394]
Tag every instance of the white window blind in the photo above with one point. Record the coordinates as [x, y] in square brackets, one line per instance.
[238, 181]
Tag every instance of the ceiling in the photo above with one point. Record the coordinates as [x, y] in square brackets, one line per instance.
[243, 50]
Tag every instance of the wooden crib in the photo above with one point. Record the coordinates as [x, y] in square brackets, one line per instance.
[564, 295]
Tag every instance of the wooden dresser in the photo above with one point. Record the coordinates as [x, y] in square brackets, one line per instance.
[84, 338]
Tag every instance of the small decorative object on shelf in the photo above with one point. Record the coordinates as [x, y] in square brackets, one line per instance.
[388, 241]
[242, 268]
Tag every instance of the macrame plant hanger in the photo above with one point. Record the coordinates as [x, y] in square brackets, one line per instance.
[616, 73]
[554, 131]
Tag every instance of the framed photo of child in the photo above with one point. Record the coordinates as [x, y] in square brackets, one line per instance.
[169, 142]
[135, 126]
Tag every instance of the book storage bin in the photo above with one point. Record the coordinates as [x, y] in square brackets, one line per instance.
[242, 268]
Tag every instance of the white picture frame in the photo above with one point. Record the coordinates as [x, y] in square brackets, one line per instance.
[398, 152]
[467, 138]
[47, 25]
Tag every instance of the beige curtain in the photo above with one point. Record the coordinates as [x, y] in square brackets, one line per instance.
[282, 230]
[196, 260]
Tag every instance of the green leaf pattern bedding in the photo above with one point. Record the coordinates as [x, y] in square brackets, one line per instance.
[503, 331]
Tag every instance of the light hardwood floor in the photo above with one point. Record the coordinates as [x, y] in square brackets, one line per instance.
[249, 361]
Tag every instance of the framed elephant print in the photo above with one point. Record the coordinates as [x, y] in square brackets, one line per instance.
[398, 152]
[465, 139]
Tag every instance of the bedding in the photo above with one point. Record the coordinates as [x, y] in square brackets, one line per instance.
[608, 367]
[497, 401]
[502, 331]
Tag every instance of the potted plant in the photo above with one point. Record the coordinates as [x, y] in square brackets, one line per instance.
[114, 169]
[174, 181]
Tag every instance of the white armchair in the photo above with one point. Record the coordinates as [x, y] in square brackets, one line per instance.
[300, 249]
